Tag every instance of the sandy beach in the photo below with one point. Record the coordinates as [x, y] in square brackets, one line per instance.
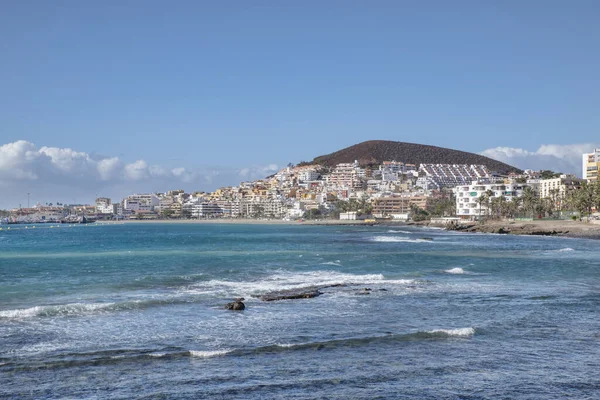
[575, 229]
[243, 221]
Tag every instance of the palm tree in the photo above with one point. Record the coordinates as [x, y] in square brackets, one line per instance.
[583, 199]
[529, 200]
[480, 200]
[489, 194]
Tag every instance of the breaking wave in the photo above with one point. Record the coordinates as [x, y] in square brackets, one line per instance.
[287, 280]
[67, 360]
[85, 308]
[460, 332]
[209, 354]
[457, 270]
[194, 292]
[48, 311]
[336, 263]
[398, 239]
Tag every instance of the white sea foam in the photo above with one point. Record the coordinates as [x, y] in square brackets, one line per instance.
[285, 345]
[566, 249]
[398, 239]
[398, 231]
[337, 263]
[456, 270]
[460, 332]
[287, 280]
[209, 354]
[157, 355]
[63, 309]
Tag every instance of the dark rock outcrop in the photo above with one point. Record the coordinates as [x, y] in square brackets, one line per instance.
[236, 305]
[291, 294]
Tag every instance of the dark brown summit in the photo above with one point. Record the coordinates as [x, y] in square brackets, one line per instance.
[377, 151]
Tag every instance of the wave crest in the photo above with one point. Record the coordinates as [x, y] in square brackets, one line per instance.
[457, 270]
[208, 353]
[396, 239]
[460, 332]
[48, 311]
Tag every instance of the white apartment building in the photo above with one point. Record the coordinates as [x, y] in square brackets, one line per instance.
[206, 210]
[450, 175]
[393, 166]
[104, 206]
[558, 188]
[230, 209]
[140, 202]
[308, 175]
[347, 175]
[265, 208]
[467, 206]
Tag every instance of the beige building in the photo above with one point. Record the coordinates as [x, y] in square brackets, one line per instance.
[558, 188]
[387, 206]
[591, 165]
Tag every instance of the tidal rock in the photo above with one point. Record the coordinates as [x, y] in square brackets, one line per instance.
[291, 295]
[236, 305]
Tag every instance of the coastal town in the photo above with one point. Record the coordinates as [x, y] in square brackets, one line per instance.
[392, 190]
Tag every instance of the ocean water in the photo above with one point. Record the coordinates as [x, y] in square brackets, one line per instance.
[137, 311]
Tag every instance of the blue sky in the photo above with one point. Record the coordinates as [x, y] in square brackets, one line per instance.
[244, 86]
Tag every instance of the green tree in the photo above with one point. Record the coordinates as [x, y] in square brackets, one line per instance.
[596, 194]
[489, 195]
[418, 214]
[258, 211]
[480, 201]
[313, 214]
[442, 205]
[548, 174]
[530, 201]
[583, 199]
[167, 213]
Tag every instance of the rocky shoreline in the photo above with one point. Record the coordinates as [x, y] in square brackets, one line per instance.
[573, 229]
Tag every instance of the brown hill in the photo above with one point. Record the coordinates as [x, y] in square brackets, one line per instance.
[376, 151]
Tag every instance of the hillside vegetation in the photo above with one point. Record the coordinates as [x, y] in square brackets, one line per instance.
[377, 151]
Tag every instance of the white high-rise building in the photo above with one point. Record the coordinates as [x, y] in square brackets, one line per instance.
[590, 165]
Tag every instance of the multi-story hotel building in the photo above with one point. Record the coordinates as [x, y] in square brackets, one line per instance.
[396, 205]
[591, 165]
[467, 206]
[557, 188]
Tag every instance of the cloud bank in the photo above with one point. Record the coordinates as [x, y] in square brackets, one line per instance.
[53, 174]
[562, 158]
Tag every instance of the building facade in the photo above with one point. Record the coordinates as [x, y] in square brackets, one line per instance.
[468, 205]
[591, 165]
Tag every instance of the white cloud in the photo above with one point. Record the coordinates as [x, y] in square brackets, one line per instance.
[53, 174]
[563, 158]
[137, 171]
[109, 168]
[15, 160]
[258, 172]
[244, 172]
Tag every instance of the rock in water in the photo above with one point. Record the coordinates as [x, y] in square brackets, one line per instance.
[236, 305]
[291, 294]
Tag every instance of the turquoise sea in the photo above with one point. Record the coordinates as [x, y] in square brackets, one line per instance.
[137, 312]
